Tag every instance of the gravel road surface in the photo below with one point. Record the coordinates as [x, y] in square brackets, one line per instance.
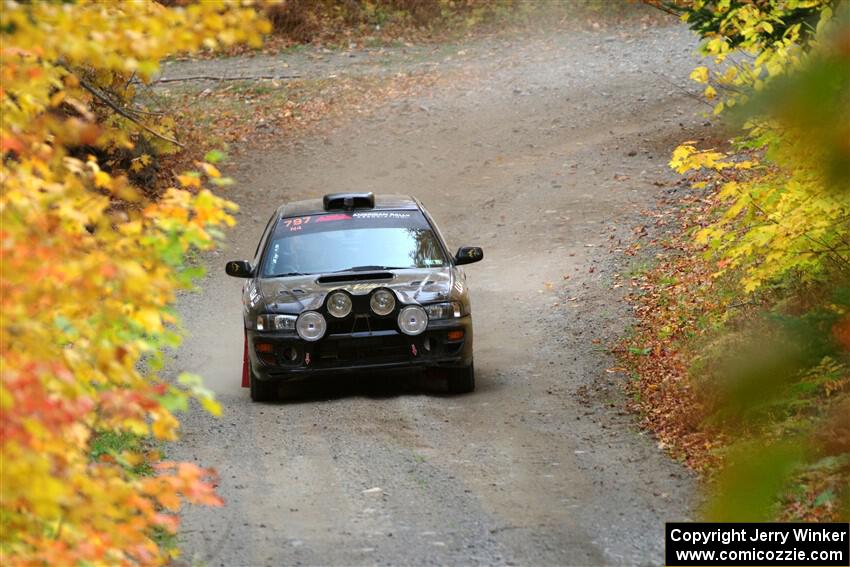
[544, 151]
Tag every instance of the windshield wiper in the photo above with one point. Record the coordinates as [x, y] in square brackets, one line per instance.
[369, 268]
[286, 275]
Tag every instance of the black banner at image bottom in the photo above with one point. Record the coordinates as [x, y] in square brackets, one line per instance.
[738, 543]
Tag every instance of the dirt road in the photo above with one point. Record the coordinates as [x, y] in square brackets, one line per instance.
[543, 152]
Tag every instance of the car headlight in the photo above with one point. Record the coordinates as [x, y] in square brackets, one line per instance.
[273, 322]
[311, 326]
[412, 320]
[382, 302]
[339, 304]
[448, 310]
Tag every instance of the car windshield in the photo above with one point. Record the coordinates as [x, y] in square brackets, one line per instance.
[335, 242]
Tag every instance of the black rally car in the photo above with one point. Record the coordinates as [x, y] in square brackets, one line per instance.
[354, 282]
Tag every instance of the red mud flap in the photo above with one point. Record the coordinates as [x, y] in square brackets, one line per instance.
[245, 383]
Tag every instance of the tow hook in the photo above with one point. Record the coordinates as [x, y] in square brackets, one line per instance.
[307, 359]
[413, 350]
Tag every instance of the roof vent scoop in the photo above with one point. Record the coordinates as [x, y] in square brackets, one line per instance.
[348, 201]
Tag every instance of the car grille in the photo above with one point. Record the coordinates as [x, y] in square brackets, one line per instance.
[361, 324]
[387, 348]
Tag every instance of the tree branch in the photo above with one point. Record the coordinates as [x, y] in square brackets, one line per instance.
[659, 6]
[212, 78]
[683, 89]
[105, 100]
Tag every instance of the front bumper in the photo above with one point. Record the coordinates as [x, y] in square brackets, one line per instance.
[279, 357]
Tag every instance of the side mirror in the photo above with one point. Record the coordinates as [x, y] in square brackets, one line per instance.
[468, 255]
[239, 269]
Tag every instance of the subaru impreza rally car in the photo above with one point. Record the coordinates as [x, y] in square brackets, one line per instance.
[354, 282]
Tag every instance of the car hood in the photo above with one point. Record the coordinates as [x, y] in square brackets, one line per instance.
[302, 293]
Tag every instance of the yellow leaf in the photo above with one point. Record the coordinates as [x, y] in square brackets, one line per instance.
[102, 180]
[149, 319]
[210, 169]
[211, 406]
[700, 75]
[189, 181]
[57, 98]
[165, 426]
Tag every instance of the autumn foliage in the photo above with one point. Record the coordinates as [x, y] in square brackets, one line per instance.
[741, 350]
[90, 269]
[793, 93]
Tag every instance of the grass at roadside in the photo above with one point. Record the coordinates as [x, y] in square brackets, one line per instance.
[265, 111]
[694, 331]
[246, 116]
[116, 446]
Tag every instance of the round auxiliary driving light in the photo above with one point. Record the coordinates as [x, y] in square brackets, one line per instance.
[339, 304]
[382, 302]
[412, 320]
[311, 326]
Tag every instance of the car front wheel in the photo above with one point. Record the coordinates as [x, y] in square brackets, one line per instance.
[462, 380]
[261, 391]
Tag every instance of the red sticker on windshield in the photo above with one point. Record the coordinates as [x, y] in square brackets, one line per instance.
[325, 218]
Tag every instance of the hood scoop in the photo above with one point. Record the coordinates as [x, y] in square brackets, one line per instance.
[354, 277]
[296, 291]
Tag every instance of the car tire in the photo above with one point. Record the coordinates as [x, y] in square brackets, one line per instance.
[462, 380]
[261, 391]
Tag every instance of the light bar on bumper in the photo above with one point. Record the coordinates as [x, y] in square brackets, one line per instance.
[311, 326]
[412, 320]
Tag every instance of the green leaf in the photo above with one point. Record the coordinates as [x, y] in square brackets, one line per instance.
[825, 497]
[175, 400]
[215, 156]
[222, 181]
[190, 380]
